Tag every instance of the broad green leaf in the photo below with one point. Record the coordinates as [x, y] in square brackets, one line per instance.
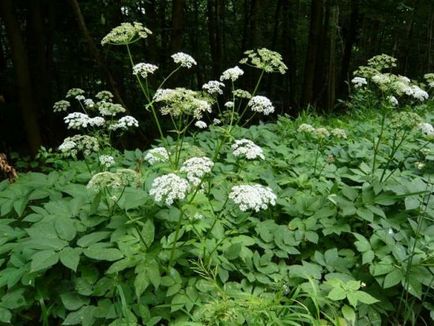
[43, 259]
[5, 315]
[337, 294]
[70, 257]
[392, 279]
[65, 228]
[363, 297]
[92, 238]
[349, 313]
[99, 252]
[73, 301]
[148, 232]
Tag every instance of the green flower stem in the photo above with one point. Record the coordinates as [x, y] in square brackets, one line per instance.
[253, 93]
[395, 148]
[377, 145]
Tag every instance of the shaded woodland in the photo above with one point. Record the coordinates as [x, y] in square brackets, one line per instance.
[48, 47]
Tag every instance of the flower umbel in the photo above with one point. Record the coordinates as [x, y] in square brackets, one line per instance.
[248, 149]
[254, 197]
[169, 188]
[196, 168]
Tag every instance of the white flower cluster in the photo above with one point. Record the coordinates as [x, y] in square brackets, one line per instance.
[124, 123]
[157, 155]
[201, 124]
[429, 79]
[267, 60]
[229, 104]
[89, 103]
[419, 94]
[109, 109]
[126, 33]
[104, 180]
[78, 120]
[169, 188]
[106, 160]
[305, 127]
[232, 74]
[339, 133]
[261, 104]
[61, 106]
[254, 197]
[216, 121]
[74, 92]
[426, 128]
[241, 93]
[321, 132]
[248, 149]
[104, 96]
[213, 87]
[359, 82]
[184, 60]
[182, 101]
[144, 69]
[196, 168]
[393, 100]
[71, 146]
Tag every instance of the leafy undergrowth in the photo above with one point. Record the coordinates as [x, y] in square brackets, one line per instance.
[350, 239]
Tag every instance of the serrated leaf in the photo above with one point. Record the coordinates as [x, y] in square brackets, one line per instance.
[73, 301]
[65, 228]
[337, 294]
[70, 257]
[99, 252]
[348, 313]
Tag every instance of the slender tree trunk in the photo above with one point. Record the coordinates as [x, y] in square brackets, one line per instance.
[331, 84]
[21, 65]
[94, 50]
[215, 39]
[408, 37]
[350, 40]
[178, 20]
[312, 51]
[430, 37]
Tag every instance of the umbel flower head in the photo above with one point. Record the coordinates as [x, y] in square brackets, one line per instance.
[168, 188]
[359, 81]
[196, 168]
[426, 128]
[305, 127]
[254, 197]
[266, 60]
[247, 149]
[261, 104]
[61, 106]
[110, 109]
[232, 74]
[104, 96]
[157, 155]
[106, 160]
[124, 123]
[126, 33]
[71, 146]
[213, 87]
[144, 69]
[184, 60]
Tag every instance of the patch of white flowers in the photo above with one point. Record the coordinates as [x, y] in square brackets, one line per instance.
[213, 87]
[393, 100]
[71, 146]
[104, 96]
[252, 197]
[321, 133]
[157, 155]
[305, 127]
[196, 168]
[61, 106]
[429, 79]
[126, 33]
[229, 104]
[184, 60]
[426, 128]
[201, 124]
[359, 82]
[168, 188]
[144, 69]
[106, 160]
[266, 60]
[77, 120]
[248, 149]
[124, 123]
[103, 180]
[232, 74]
[339, 133]
[261, 104]
[74, 92]
[109, 109]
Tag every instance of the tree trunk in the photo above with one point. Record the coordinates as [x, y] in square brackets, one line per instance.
[430, 37]
[350, 40]
[215, 39]
[331, 84]
[94, 50]
[21, 65]
[178, 20]
[312, 50]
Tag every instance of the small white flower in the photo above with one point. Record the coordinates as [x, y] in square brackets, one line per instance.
[106, 108]
[426, 128]
[144, 69]
[216, 121]
[97, 122]
[419, 94]
[254, 197]
[359, 81]
[229, 104]
[232, 74]
[169, 188]
[305, 127]
[196, 168]
[106, 160]
[201, 124]
[80, 98]
[89, 103]
[61, 106]
[339, 133]
[124, 123]
[261, 104]
[77, 120]
[104, 96]
[73, 92]
[419, 165]
[393, 100]
[213, 87]
[248, 149]
[71, 146]
[157, 155]
[184, 60]
[321, 133]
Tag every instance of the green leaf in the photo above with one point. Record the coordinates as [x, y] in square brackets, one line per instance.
[148, 232]
[65, 228]
[92, 238]
[362, 244]
[337, 294]
[141, 283]
[70, 257]
[43, 259]
[5, 315]
[233, 251]
[99, 252]
[365, 214]
[348, 313]
[363, 297]
[73, 301]
[392, 278]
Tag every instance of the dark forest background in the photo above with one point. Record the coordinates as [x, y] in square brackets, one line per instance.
[49, 46]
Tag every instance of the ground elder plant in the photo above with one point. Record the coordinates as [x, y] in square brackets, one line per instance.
[311, 221]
